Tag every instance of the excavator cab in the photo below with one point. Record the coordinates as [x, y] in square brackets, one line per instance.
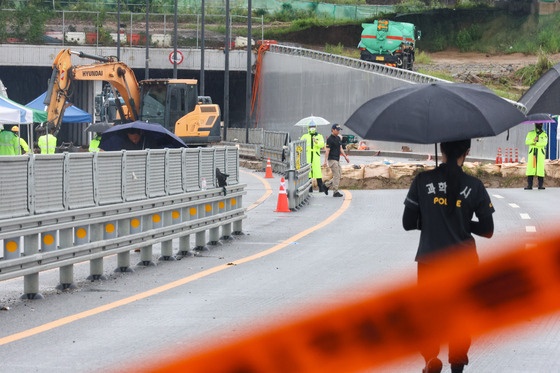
[175, 105]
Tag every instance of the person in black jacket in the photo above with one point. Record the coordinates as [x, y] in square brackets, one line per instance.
[441, 204]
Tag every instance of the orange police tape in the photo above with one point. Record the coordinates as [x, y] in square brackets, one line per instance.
[375, 330]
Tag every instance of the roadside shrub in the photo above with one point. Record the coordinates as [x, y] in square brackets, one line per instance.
[531, 73]
[335, 49]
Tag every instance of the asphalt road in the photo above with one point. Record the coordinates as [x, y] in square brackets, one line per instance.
[345, 247]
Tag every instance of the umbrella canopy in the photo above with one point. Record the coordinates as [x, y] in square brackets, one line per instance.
[99, 127]
[26, 115]
[312, 120]
[434, 112]
[539, 118]
[72, 114]
[542, 97]
[155, 136]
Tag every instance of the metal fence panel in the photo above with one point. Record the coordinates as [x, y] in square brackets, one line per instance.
[79, 181]
[155, 186]
[48, 183]
[221, 159]
[192, 174]
[135, 175]
[173, 176]
[109, 177]
[232, 159]
[13, 189]
[207, 166]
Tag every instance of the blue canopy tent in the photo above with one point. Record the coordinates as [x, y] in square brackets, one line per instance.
[72, 114]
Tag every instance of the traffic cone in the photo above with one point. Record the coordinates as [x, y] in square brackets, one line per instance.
[268, 174]
[282, 205]
[510, 155]
[499, 156]
[516, 155]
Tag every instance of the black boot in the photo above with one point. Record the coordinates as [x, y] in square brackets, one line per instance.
[541, 182]
[320, 185]
[529, 183]
[457, 368]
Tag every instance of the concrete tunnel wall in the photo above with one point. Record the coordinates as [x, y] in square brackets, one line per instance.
[293, 87]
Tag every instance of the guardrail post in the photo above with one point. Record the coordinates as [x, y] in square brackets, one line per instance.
[124, 229]
[31, 282]
[187, 213]
[291, 189]
[237, 203]
[146, 251]
[96, 265]
[167, 246]
[66, 272]
[226, 228]
[214, 233]
[200, 237]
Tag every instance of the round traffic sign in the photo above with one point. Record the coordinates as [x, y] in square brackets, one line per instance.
[178, 59]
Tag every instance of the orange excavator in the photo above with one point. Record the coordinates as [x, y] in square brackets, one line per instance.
[173, 103]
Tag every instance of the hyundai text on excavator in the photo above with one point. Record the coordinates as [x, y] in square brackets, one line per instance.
[173, 103]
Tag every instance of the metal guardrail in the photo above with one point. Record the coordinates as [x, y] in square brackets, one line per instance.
[59, 182]
[287, 158]
[298, 175]
[87, 206]
[368, 66]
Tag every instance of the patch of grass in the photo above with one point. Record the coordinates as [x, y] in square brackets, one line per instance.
[422, 57]
[531, 73]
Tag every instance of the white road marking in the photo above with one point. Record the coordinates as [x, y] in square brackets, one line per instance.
[513, 205]
[498, 196]
[530, 228]
[525, 216]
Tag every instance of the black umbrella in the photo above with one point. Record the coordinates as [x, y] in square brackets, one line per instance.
[433, 113]
[539, 118]
[542, 97]
[153, 136]
[99, 127]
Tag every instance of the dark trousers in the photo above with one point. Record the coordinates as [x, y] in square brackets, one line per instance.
[458, 348]
[530, 181]
[319, 185]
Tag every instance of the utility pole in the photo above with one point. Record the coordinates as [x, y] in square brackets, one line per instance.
[202, 52]
[175, 48]
[147, 40]
[119, 30]
[226, 74]
[248, 80]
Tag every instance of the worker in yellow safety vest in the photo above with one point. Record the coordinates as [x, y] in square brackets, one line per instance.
[94, 144]
[23, 147]
[8, 142]
[47, 142]
[315, 142]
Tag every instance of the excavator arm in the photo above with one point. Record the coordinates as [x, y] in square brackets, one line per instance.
[108, 69]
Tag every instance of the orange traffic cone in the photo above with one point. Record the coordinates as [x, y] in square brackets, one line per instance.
[268, 174]
[516, 155]
[510, 155]
[282, 205]
[499, 156]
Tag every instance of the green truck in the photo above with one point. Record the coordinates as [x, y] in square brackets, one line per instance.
[390, 43]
